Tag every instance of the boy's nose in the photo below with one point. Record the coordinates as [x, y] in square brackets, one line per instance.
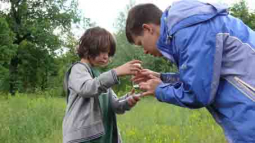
[105, 56]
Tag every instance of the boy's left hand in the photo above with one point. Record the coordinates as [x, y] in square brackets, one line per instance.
[133, 98]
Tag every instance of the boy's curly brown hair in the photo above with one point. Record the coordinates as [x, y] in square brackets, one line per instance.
[95, 41]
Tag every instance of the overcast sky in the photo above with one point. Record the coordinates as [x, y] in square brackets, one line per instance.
[105, 12]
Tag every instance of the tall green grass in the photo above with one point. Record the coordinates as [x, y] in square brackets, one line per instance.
[36, 119]
[31, 120]
[155, 122]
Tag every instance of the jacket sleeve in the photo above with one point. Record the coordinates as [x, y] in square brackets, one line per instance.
[199, 68]
[119, 105]
[170, 77]
[82, 83]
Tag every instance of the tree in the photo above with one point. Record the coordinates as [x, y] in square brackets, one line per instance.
[37, 26]
[7, 50]
[241, 10]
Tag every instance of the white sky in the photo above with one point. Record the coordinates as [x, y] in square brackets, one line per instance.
[105, 12]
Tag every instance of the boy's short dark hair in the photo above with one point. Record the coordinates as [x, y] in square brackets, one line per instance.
[95, 41]
[139, 15]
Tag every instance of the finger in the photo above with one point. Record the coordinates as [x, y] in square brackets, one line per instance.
[137, 65]
[145, 71]
[137, 76]
[132, 91]
[134, 78]
[144, 86]
[134, 71]
[140, 80]
[152, 76]
[132, 100]
[147, 93]
[142, 72]
[135, 61]
[136, 97]
[136, 68]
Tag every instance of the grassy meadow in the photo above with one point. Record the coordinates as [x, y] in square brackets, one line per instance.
[38, 119]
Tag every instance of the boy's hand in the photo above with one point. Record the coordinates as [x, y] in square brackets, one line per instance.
[129, 68]
[144, 75]
[133, 98]
[150, 86]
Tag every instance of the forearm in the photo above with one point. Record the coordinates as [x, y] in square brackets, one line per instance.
[87, 86]
[178, 95]
[119, 105]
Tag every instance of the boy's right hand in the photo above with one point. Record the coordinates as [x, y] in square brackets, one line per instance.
[129, 68]
[149, 87]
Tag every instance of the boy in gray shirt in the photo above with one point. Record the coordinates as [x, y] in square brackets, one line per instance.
[91, 103]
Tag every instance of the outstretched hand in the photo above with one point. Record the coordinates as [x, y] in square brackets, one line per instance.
[129, 68]
[150, 86]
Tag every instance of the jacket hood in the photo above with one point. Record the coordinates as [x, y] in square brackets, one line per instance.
[183, 14]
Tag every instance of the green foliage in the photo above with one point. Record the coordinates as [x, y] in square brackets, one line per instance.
[241, 10]
[7, 51]
[66, 57]
[38, 28]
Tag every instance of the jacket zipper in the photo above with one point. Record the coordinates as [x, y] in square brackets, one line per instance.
[246, 84]
[248, 87]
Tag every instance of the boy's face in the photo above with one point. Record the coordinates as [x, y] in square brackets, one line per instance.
[148, 40]
[101, 60]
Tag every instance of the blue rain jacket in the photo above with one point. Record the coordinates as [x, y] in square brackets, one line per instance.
[215, 55]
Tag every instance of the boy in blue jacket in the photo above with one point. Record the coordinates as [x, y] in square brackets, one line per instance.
[215, 56]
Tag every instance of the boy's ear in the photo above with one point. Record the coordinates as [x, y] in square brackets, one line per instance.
[147, 27]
